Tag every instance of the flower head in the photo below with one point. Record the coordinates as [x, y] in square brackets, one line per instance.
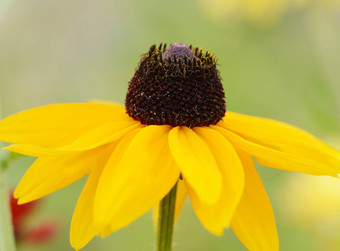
[173, 126]
[177, 87]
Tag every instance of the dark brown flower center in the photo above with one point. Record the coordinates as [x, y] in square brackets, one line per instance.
[178, 86]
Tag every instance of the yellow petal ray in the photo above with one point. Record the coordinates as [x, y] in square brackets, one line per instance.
[217, 216]
[48, 174]
[283, 137]
[196, 163]
[57, 124]
[181, 195]
[277, 159]
[139, 174]
[101, 135]
[34, 150]
[88, 140]
[253, 221]
[82, 229]
[180, 198]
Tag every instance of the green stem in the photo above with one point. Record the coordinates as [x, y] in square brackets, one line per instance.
[166, 221]
[7, 241]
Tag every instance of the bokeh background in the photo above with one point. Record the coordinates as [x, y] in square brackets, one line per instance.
[278, 59]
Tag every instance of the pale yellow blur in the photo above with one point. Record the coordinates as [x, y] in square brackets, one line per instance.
[313, 203]
[312, 200]
[259, 12]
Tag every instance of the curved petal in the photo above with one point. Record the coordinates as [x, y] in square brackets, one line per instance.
[277, 159]
[82, 229]
[180, 198]
[181, 195]
[48, 174]
[137, 176]
[283, 137]
[58, 124]
[196, 163]
[254, 222]
[101, 135]
[217, 216]
[88, 140]
[34, 150]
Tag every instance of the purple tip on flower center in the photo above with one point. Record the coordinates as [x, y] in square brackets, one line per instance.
[179, 50]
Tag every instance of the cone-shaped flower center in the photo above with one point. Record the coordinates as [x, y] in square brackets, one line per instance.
[179, 86]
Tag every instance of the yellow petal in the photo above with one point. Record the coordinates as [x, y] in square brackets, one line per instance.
[254, 222]
[137, 176]
[48, 174]
[101, 135]
[276, 158]
[82, 229]
[216, 217]
[196, 163]
[181, 195]
[283, 137]
[88, 140]
[180, 198]
[34, 150]
[58, 124]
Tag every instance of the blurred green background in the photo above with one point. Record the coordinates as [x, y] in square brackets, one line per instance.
[284, 67]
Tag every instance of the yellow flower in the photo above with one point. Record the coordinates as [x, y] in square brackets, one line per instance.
[258, 12]
[173, 127]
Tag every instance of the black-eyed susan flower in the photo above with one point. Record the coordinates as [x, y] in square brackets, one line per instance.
[173, 129]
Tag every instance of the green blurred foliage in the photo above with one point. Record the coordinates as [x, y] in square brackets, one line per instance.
[69, 51]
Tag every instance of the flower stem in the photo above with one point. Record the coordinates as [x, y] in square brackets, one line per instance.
[7, 241]
[166, 221]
